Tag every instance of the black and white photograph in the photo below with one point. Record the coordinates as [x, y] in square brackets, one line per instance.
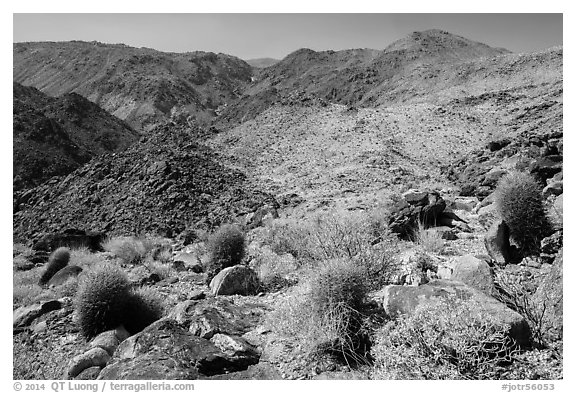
[287, 196]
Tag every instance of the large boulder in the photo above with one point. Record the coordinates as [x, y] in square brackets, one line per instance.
[416, 207]
[64, 274]
[474, 272]
[166, 350]
[212, 316]
[549, 300]
[497, 243]
[235, 280]
[25, 315]
[396, 300]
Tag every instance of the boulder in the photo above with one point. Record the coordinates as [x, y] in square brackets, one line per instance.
[473, 272]
[497, 243]
[260, 371]
[549, 299]
[487, 215]
[64, 274]
[465, 203]
[406, 215]
[396, 300]
[260, 216]
[190, 261]
[550, 246]
[235, 280]
[25, 315]
[217, 315]
[546, 167]
[166, 350]
[553, 188]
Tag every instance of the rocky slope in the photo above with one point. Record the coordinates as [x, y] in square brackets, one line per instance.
[165, 183]
[262, 62]
[139, 85]
[54, 136]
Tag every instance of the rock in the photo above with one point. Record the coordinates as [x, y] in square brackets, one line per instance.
[197, 295]
[491, 178]
[64, 274]
[100, 351]
[166, 350]
[497, 243]
[553, 188]
[260, 371]
[191, 260]
[450, 219]
[40, 327]
[235, 280]
[550, 246]
[416, 197]
[549, 300]
[217, 315]
[237, 348]
[487, 215]
[89, 374]
[179, 266]
[445, 232]
[546, 167]
[444, 273]
[405, 217]
[260, 216]
[398, 300]
[95, 357]
[497, 145]
[71, 238]
[557, 212]
[25, 315]
[473, 272]
[465, 203]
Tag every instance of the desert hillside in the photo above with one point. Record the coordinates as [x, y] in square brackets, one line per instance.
[391, 213]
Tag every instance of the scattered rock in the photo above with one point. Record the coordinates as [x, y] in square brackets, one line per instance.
[260, 216]
[546, 167]
[549, 300]
[465, 203]
[553, 188]
[235, 280]
[550, 246]
[405, 216]
[190, 260]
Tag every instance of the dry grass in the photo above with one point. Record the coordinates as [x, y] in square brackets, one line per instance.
[134, 250]
[429, 240]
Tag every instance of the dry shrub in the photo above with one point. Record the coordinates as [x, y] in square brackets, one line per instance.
[429, 240]
[134, 250]
[443, 339]
[272, 269]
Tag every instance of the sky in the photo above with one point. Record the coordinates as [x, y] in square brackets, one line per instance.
[255, 35]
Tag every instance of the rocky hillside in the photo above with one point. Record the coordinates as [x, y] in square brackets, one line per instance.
[421, 64]
[139, 85]
[53, 136]
[165, 183]
[262, 62]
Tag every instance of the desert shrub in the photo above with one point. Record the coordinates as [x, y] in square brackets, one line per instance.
[429, 240]
[519, 202]
[102, 299]
[324, 313]
[226, 247]
[57, 260]
[288, 236]
[25, 287]
[272, 269]
[128, 249]
[143, 307]
[83, 257]
[444, 339]
[162, 270]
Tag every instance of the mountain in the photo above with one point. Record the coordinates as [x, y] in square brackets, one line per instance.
[165, 183]
[54, 136]
[262, 62]
[142, 86]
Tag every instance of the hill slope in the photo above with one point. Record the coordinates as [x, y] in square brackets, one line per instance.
[142, 86]
[54, 136]
[164, 184]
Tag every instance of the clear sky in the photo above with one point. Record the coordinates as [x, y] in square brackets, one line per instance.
[275, 35]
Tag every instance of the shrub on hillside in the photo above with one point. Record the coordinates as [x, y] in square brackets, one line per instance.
[444, 339]
[518, 199]
[105, 300]
[57, 260]
[226, 247]
[102, 300]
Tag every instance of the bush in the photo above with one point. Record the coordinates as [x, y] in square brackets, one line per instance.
[518, 199]
[102, 300]
[128, 249]
[144, 307]
[57, 260]
[324, 315]
[226, 247]
[106, 300]
[444, 339]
